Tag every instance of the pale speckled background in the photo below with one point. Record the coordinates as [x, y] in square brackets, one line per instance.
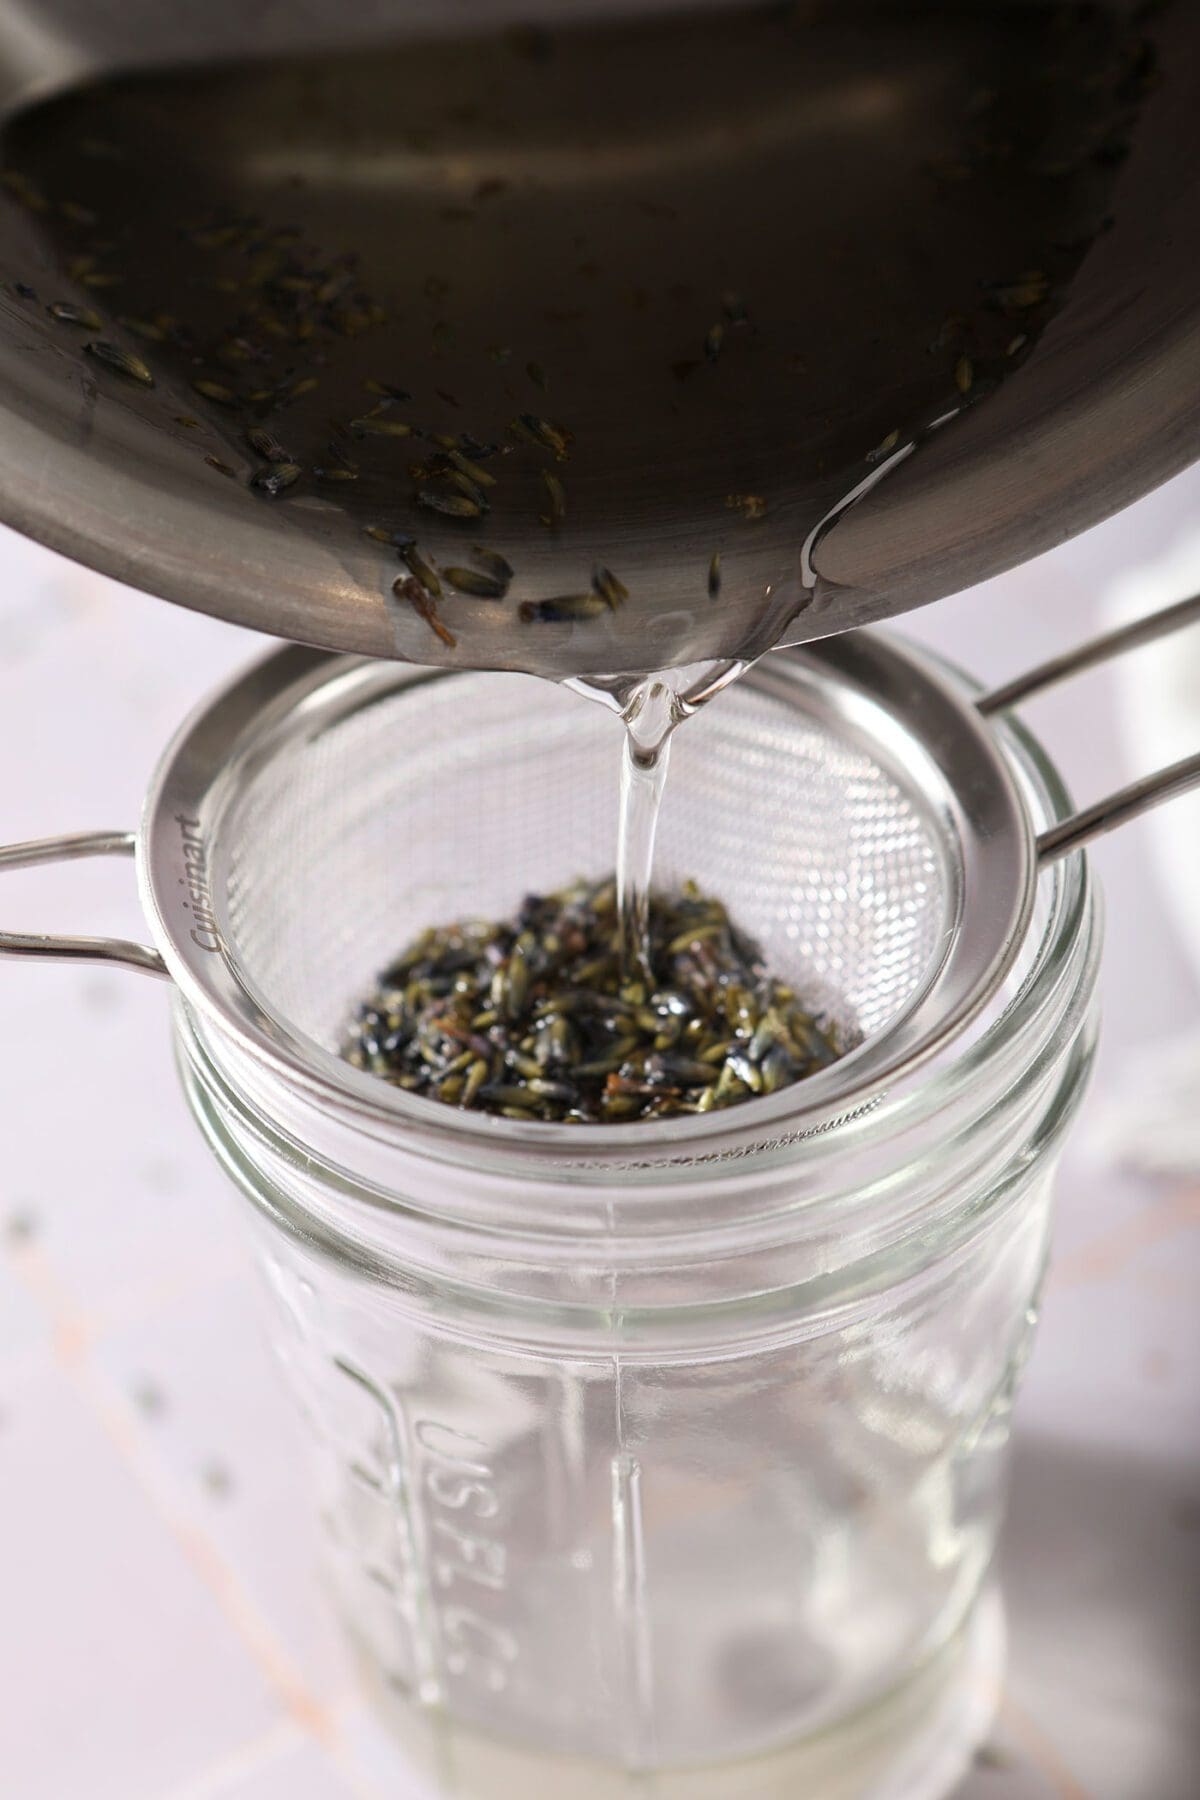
[161, 1633]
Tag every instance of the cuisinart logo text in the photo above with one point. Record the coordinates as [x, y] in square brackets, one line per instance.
[204, 933]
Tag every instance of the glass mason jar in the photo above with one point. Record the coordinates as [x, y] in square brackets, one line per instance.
[678, 1475]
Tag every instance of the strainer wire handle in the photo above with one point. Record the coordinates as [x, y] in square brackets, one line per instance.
[76, 949]
[1128, 802]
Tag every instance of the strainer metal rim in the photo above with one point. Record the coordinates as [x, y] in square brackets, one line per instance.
[872, 682]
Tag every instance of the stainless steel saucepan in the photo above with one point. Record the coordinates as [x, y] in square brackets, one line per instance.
[717, 326]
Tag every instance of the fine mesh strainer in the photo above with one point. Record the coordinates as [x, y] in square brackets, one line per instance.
[851, 805]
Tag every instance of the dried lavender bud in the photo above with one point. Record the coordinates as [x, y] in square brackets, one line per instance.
[534, 1017]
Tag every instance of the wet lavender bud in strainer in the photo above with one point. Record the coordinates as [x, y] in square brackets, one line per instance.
[534, 1018]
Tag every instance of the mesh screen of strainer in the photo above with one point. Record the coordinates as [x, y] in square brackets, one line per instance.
[454, 796]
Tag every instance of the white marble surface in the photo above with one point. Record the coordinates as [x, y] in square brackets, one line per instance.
[161, 1635]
